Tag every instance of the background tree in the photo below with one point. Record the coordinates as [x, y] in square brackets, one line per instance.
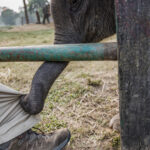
[26, 11]
[22, 19]
[9, 17]
[36, 6]
[1, 22]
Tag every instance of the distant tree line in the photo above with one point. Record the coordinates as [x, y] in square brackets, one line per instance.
[38, 8]
[41, 9]
[32, 12]
[10, 17]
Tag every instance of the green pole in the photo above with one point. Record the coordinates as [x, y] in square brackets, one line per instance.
[68, 52]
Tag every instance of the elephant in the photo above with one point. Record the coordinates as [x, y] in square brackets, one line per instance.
[75, 21]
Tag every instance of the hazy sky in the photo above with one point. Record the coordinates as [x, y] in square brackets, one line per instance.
[13, 4]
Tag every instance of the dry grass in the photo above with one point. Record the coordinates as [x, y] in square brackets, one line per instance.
[84, 98]
[27, 28]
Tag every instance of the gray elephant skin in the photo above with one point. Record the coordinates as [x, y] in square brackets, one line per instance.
[76, 21]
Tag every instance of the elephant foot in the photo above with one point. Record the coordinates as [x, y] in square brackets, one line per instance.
[115, 123]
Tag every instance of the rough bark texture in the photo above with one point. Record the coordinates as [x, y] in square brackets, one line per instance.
[134, 72]
[26, 12]
[38, 18]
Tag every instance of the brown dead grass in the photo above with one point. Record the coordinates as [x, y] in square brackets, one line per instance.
[90, 114]
[72, 102]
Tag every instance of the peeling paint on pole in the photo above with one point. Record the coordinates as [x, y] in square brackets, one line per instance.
[69, 52]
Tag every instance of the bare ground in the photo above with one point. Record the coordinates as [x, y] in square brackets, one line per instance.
[84, 98]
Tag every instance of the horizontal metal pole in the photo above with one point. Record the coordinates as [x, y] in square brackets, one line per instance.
[68, 52]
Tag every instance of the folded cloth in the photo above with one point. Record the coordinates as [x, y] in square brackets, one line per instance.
[13, 119]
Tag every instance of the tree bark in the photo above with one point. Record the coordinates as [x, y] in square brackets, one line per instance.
[26, 12]
[133, 19]
[38, 17]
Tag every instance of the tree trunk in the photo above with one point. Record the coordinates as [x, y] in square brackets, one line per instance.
[26, 12]
[38, 17]
[133, 19]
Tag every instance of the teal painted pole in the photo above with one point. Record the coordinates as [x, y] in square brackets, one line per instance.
[68, 52]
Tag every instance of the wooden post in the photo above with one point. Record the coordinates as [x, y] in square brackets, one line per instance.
[133, 22]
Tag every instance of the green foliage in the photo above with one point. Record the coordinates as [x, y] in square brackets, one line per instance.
[1, 22]
[36, 5]
[9, 17]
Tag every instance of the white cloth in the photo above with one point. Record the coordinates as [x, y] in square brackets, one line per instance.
[13, 120]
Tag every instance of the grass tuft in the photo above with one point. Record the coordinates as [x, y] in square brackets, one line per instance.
[94, 83]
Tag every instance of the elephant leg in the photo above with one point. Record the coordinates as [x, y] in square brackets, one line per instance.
[44, 78]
